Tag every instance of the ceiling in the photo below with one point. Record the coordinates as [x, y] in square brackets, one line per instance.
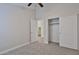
[25, 5]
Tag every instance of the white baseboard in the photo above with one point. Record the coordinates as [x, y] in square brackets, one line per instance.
[10, 49]
[5, 51]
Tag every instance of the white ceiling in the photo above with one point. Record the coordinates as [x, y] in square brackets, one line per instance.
[25, 5]
[33, 6]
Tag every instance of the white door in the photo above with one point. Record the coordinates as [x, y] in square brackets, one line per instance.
[54, 33]
[33, 30]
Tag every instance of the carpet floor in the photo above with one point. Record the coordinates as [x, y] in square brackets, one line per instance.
[43, 49]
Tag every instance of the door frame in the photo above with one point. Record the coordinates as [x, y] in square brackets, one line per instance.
[49, 26]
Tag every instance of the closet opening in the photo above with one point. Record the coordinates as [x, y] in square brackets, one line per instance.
[53, 30]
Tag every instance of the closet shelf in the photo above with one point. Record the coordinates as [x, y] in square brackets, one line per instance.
[53, 23]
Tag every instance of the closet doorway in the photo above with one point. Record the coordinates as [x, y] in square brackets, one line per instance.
[53, 30]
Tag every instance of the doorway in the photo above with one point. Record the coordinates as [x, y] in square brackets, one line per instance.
[33, 29]
[53, 30]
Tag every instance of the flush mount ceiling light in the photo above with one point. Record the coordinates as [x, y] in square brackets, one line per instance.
[40, 4]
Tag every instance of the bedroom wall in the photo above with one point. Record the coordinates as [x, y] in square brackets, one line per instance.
[14, 25]
[53, 10]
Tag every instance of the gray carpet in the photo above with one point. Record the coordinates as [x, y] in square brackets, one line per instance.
[42, 49]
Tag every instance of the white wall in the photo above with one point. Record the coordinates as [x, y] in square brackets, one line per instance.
[56, 10]
[68, 32]
[51, 10]
[14, 25]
